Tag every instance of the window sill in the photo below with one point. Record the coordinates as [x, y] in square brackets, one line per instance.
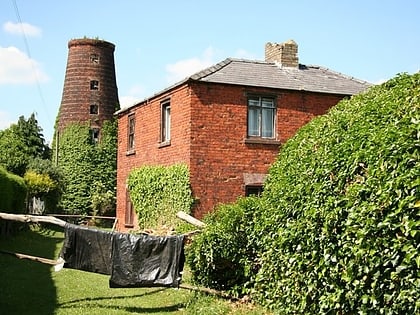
[164, 144]
[130, 152]
[262, 141]
[130, 226]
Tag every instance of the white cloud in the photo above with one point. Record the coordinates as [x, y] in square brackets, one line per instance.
[184, 68]
[16, 67]
[128, 100]
[5, 120]
[22, 28]
[136, 93]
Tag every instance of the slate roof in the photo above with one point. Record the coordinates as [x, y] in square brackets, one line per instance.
[271, 75]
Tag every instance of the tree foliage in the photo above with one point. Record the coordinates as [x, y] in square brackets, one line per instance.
[21, 143]
[44, 181]
[338, 229]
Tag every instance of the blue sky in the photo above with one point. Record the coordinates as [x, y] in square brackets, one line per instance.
[160, 42]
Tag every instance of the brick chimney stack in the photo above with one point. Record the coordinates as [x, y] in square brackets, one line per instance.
[284, 54]
[90, 92]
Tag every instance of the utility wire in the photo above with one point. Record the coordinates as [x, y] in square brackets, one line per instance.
[28, 52]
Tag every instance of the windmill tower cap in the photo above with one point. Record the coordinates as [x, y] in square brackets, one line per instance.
[90, 42]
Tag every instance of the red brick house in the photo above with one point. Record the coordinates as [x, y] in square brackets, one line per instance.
[226, 123]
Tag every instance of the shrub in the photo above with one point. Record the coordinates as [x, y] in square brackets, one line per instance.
[12, 192]
[344, 199]
[221, 257]
[337, 229]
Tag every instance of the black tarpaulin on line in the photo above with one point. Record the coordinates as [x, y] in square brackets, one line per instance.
[131, 260]
[87, 249]
[146, 260]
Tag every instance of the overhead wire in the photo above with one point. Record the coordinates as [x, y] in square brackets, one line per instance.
[28, 52]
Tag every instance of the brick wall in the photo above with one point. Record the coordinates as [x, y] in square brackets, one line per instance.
[221, 158]
[77, 95]
[209, 128]
[148, 149]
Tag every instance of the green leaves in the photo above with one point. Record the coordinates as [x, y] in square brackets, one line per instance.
[337, 228]
[158, 193]
[89, 169]
[344, 191]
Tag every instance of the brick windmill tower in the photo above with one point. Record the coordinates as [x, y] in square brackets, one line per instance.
[90, 93]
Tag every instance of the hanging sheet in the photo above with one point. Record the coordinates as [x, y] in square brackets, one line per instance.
[87, 249]
[131, 260]
[146, 260]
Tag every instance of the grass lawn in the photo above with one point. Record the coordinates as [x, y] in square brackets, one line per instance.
[28, 287]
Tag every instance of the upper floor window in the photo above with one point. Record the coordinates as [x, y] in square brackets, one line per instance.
[131, 130]
[94, 109]
[94, 85]
[166, 122]
[261, 117]
[94, 58]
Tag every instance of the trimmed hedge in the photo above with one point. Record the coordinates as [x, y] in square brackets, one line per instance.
[12, 192]
[338, 229]
[223, 256]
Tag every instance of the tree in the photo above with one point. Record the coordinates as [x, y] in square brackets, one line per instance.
[21, 143]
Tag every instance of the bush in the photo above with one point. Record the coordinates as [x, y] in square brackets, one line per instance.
[12, 192]
[342, 234]
[337, 229]
[221, 257]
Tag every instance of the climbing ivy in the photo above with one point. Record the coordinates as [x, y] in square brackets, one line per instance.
[88, 168]
[158, 193]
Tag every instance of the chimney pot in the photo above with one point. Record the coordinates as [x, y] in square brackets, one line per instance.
[285, 54]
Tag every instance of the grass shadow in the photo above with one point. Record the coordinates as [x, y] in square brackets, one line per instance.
[27, 286]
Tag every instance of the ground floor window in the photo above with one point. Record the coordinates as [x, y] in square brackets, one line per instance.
[253, 190]
[129, 212]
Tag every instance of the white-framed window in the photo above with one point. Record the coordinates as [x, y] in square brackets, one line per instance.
[131, 132]
[166, 122]
[261, 117]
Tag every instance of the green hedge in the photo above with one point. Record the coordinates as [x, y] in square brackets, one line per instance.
[12, 192]
[158, 193]
[221, 257]
[338, 229]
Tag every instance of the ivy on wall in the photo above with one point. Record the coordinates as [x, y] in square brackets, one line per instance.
[158, 193]
[89, 169]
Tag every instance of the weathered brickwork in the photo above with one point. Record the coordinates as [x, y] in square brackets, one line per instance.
[88, 60]
[209, 133]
